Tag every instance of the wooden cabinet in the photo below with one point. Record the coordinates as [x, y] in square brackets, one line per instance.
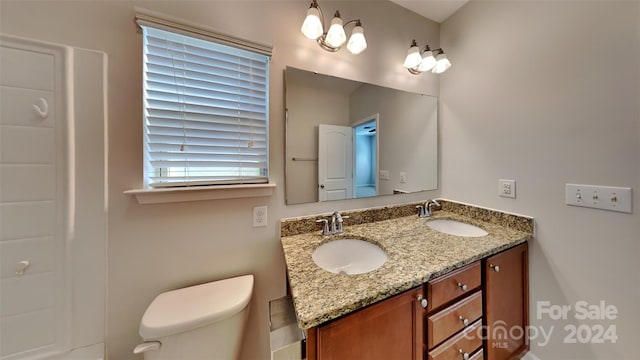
[506, 285]
[390, 329]
[470, 314]
[453, 285]
[454, 319]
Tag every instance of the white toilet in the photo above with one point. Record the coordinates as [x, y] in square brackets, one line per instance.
[199, 322]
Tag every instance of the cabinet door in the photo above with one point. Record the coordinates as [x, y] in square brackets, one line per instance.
[390, 329]
[507, 303]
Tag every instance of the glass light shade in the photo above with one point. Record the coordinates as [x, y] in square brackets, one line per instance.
[413, 58]
[428, 61]
[357, 43]
[336, 36]
[312, 27]
[442, 64]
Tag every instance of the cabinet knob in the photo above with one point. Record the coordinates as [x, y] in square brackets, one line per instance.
[464, 320]
[465, 355]
[423, 302]
[462, 286]
[495, 268]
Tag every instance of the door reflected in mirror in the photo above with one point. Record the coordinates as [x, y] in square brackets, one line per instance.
[347, 139]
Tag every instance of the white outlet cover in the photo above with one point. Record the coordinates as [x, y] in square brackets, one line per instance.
[507, 188]
[259, 216]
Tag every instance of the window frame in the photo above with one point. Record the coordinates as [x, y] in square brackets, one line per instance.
[217, 38]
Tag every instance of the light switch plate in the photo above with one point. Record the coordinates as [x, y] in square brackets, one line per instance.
[599, 197]
[384, 175]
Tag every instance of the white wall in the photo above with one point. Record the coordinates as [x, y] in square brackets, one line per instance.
[153, 248]
[548, 93]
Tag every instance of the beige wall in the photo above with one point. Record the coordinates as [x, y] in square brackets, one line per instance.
[153, 248]
[548, 93]
[408, 135]
[307, 108]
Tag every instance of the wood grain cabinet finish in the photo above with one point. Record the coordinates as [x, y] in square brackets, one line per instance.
[453, 285]
[506, 278]
[466, 342]
[390, 329]
[448, 321]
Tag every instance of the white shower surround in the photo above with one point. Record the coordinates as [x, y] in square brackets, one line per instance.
[74, 264]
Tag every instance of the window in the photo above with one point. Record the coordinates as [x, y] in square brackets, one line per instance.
[206, 110]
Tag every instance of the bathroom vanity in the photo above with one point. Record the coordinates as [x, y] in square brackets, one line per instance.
[438, 296]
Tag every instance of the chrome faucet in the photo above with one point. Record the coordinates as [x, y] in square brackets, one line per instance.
[336, 224]
[421, 211]
[428, 205]
[325, 226]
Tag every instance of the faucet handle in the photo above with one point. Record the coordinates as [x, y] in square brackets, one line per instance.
[325, 226]
[421, 211]
[429, 204]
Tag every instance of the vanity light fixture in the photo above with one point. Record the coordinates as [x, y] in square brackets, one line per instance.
[434, 60]
[335, 37]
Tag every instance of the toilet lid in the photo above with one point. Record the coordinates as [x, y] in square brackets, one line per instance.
[185, 309]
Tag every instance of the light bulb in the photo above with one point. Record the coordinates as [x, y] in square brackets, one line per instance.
[413, 58]
[312, 27]
[442, 64]
[336, 36]
[428, 61]
[357, 43]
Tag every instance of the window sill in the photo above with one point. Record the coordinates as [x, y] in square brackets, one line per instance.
[196, 193]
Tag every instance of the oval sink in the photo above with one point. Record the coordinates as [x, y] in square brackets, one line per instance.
[457, 228]
[349, 256]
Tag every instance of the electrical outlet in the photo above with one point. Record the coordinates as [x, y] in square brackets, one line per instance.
[384, 175]
[259, 216]
[507, 188]
[403, 177]
[599, 197]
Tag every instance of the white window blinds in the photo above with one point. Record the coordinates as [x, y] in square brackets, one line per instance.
[206, 110]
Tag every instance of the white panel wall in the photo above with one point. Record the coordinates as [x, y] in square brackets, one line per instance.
[547, 93]
[32, 217]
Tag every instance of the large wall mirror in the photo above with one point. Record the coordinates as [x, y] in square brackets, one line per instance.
[347, 139]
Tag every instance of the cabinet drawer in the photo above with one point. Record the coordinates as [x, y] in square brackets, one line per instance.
[450, 320]
[452, 286]
[467, 341]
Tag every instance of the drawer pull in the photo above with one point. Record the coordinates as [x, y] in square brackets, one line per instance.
[465, 355]
[495, 268]
[464, 320]
[423, 302]
[462, 286]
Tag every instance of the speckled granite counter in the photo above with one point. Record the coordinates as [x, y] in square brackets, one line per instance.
[416, 253]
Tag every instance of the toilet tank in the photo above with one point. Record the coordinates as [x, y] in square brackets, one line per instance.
[198, 322]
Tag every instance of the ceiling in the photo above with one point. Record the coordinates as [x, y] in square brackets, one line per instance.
[436, 10]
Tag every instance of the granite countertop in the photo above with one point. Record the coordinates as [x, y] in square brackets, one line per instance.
[416, 254]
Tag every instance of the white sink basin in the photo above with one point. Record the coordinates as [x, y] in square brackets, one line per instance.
[349, 256]
[457, 228]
